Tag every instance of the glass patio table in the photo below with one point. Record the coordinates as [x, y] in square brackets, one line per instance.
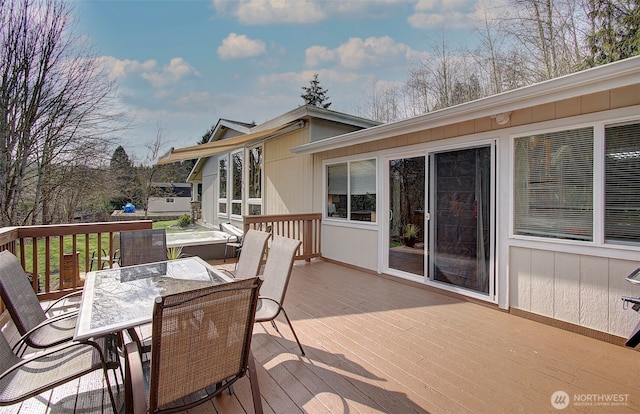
[117, 299]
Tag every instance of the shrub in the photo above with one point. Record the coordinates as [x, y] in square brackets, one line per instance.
[184, 221]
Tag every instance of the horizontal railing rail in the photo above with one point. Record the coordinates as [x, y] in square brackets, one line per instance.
[55, 256]
[304, 227]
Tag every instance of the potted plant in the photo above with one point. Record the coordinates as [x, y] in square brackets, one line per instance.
[410, 234]
[174, 253]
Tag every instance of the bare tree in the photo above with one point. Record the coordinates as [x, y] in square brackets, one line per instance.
[55, 106]
[546, 32]
[146, 173]
[384, 103]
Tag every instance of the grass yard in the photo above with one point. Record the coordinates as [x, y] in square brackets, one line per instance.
[65, 245]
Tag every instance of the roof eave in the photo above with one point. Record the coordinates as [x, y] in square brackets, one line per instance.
[311, 111]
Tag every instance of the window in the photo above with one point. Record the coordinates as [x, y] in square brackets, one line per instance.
[254, 181]
[337, 191]
[222, 185]
[351, 191]
[232, 182]
[553, 185]
[236, 187]
[622, 183]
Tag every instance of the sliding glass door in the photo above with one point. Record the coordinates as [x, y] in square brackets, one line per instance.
[440, 217]
[406, 215]
[461, 218]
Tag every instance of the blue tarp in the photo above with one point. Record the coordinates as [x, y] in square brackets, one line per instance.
[129, 208]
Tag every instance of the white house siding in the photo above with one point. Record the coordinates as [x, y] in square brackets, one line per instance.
[179, 205]
[209, 191]
[358, 247]
[579, 289]
[287, 177]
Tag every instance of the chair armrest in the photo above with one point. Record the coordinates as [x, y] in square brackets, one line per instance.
[135, 400]
[227, 272]
[49, 351]
[63, 298]
[21, 340]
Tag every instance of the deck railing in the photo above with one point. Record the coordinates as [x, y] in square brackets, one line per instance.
[303, 227]
[48, 252]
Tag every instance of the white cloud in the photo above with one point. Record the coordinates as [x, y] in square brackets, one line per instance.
[317, 55]
[263, 12]
[176, 70]
[237, 46]
[195, 99]
[359, 53]
[430, 14]
[118, 69]
[258, 12]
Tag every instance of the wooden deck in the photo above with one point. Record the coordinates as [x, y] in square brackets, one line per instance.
[376, 345]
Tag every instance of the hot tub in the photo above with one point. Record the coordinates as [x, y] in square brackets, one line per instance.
[208, 245]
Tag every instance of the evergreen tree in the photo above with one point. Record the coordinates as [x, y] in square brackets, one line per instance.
[123, 173]
[615, 30]
[314, 94]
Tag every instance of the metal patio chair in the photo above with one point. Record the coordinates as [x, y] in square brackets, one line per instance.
[38, 329]
[201, 346]
[276, 275]
[236, 235]
[250, 260]
[142, 246]
[24, 378]
[105, 260]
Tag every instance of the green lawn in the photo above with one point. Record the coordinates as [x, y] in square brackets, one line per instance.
[54, 250]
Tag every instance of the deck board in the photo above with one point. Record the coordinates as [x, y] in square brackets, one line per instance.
[377, 345]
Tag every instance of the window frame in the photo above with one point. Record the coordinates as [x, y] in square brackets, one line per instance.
[599, 182]
[348, 219]
[231, 188]
[223, 200]
[555, 190]
[255, 201]
[607, 238]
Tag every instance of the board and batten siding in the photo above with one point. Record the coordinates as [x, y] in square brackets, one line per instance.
[579, 289]
[209, 197]
[287, 176]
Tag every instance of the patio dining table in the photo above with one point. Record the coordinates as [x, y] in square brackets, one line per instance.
[114, 300]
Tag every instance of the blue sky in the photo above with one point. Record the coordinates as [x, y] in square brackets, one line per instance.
[179, 66]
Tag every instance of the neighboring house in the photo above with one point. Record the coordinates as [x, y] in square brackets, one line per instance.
[529, 199]
[249, 170]
[170, 198]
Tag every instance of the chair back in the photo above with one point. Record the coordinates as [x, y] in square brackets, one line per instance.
[18, 294]
[232, 230]
[201, 338]
[142, 246]
[277, 269]
[250, 259]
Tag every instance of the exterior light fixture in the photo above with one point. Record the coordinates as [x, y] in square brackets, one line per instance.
[502, 118]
